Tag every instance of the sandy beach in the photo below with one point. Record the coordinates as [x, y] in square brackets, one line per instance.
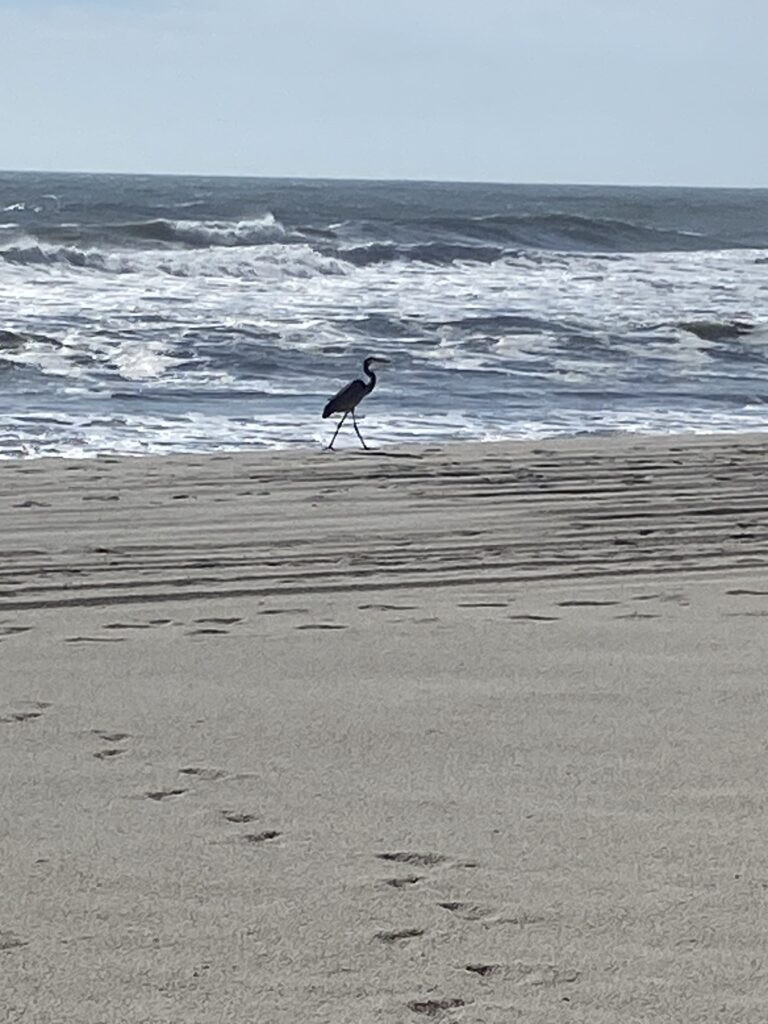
[472, 732]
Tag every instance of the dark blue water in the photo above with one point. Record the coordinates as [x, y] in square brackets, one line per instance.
[151, 314]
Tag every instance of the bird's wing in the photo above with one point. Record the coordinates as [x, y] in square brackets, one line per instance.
[346, 399]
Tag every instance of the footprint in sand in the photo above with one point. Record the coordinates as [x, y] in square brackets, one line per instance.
[403, 881]
[108, 753]
[111, 737]
[163, 794]
[423, 860]
[483, 970]
[206, 774]
[9, 940]
[435, 1007]
[238, 817]
[261, 837]
[32, 709]
[399, 935]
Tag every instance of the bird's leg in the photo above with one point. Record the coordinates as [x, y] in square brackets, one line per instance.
[338, 428]
[354, 424]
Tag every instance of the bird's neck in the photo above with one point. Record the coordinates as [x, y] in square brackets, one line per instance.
[371, 379]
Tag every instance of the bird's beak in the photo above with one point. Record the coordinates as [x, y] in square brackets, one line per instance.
[381, 361]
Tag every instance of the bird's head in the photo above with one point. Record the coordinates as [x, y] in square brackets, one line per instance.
[373, 361]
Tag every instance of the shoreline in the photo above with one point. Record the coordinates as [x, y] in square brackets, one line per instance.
[473, 731]
[389, 448]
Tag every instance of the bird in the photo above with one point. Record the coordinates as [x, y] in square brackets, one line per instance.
[350, 397]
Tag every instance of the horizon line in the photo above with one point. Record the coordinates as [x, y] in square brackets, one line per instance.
[387, 181]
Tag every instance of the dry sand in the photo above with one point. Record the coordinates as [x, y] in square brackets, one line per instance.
[476, 733]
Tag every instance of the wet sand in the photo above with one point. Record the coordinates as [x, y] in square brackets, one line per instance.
[470, 733]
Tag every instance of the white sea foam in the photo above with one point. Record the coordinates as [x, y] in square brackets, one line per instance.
[270, 330]
[268, 262]
[147, 361]
[224, 233]
[73, 436]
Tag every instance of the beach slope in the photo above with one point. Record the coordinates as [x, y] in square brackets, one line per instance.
[475, 732]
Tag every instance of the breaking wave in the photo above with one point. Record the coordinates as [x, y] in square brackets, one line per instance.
[255, 231]
[269, 261]
[33, 253]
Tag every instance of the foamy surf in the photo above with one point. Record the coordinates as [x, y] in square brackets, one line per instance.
[506, 312]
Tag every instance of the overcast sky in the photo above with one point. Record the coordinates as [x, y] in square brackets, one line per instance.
[606, 91]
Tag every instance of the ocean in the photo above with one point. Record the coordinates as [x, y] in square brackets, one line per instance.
[153, 314]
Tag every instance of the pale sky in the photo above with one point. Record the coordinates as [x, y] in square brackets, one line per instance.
[603, 91]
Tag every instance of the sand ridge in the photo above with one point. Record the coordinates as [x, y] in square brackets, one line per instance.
[127, 531]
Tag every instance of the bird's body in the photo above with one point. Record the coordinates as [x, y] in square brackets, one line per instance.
[350, 396]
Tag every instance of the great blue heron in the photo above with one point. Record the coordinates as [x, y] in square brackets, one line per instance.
[350, 397]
